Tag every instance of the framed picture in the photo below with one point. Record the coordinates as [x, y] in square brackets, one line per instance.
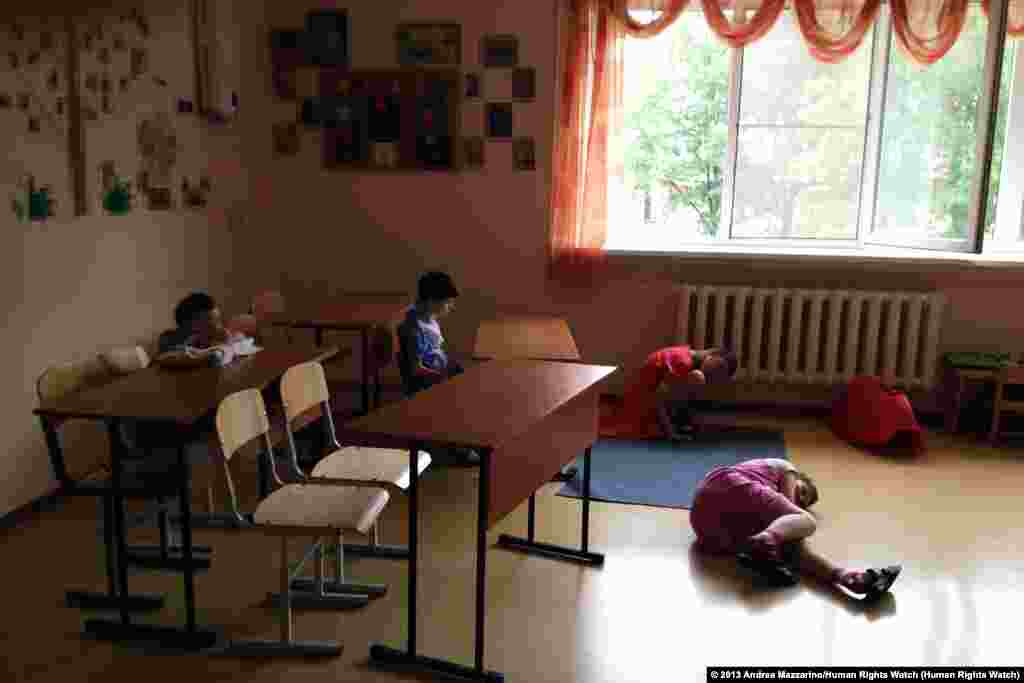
[472, 91]
[499, 51]
[525, 155]
[422, 44]
[473, 152]
[500, 121]
[326, 38]
[286, 139]
[524, 84]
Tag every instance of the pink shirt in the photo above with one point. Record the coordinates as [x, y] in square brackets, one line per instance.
[733, 503]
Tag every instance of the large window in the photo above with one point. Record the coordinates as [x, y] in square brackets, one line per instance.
[769, 146]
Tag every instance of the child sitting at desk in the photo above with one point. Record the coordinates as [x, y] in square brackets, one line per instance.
[646, 412]
[200, 338]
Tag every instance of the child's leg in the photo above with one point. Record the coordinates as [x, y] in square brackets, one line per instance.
[810, 563]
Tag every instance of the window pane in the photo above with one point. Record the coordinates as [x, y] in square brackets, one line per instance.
[676, 90]
[929, 142]
[801, 140]
[999, 149]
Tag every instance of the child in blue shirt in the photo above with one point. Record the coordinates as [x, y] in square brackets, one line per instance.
[421, 330]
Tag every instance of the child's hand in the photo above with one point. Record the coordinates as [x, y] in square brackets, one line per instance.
[696, 377]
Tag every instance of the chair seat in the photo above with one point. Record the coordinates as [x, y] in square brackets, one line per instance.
[377, 464]
[312, 505]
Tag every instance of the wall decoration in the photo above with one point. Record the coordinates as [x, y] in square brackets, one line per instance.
[524, 84]
[32, 203]
[500, 121]
[185, 106]
[286, 139]
[159, 199]
[286, 55]
[326, 38]
[424, 44]
[499, 51]
[196, 196]
[116, 192]
[524, 153]
[473, 90]
[473, 152]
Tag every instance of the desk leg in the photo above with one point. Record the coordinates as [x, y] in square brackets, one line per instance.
[365, 363]
[408, 659]
[191, 638]
[558, 552]
[112, 599]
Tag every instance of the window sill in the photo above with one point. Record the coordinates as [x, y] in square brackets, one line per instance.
[867, 257]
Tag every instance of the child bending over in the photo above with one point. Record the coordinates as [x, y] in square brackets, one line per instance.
[646, 410]
[200, 338]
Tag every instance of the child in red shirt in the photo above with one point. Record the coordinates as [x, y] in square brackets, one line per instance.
[646, 412]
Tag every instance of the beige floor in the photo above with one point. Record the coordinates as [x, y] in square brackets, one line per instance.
[656, 612]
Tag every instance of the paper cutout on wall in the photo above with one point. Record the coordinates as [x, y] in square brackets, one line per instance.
[196, 196]
[117, 192]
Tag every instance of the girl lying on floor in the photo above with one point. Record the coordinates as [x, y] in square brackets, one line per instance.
[647, 412]
[757, 510]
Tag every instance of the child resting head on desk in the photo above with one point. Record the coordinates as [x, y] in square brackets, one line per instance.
[646, 410]
[200, 338]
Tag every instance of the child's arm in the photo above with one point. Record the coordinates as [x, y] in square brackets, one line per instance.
[184, 358]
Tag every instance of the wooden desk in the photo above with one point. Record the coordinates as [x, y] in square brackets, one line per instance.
[350, 313]
[182, 398]
[531, 337]
[527, 419]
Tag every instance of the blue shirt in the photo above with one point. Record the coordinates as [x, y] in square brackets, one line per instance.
[429, 341]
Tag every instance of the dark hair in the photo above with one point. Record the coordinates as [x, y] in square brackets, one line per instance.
[806, 479]
[435, 286]
[730, 363]
[192, 306]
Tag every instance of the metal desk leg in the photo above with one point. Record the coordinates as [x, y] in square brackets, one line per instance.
[408, 659]
[365, 363]
[191, 638]
[529, 545]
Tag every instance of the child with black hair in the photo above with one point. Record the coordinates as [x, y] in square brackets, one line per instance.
[200, 338]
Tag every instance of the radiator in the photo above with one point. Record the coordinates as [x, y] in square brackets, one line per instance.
[812, 336]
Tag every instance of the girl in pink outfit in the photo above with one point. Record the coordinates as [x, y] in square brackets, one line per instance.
[758, 510]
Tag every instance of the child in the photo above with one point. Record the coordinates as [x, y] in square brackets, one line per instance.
[758, 511]
[421, 328]
[200, 338]
[646, 411]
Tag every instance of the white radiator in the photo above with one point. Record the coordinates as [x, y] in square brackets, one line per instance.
[810, 336]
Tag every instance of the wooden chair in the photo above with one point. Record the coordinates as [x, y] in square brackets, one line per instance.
[1012, 376]
[304, 390]
[315, 508]
[88, 471]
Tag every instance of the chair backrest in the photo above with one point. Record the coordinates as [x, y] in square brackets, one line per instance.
[303, 386]
[61, 380]
[407, 356]
[241, 418]
[91, 451]
[124, 360]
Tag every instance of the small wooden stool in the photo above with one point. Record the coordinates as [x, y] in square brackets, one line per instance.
[1007, 377]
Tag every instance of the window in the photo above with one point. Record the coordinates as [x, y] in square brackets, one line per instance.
[768, 146]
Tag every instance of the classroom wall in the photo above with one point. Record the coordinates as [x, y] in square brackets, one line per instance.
[326, 232]
[70, 287]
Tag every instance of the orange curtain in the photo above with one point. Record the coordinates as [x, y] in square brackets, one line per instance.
[668, 11]
[833, 33]
[1015, 19]
[586, 159]
[739, 35]
[926, 29]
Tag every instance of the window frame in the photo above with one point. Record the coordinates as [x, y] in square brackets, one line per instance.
[867, 244]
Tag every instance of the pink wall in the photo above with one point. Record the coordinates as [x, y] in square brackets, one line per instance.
[341, 231]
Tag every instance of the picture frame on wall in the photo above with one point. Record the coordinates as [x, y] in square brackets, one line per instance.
[429, 44]
[473, 152]
[326, 38]
[499, 51]
[525, 154]
[500, 121]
